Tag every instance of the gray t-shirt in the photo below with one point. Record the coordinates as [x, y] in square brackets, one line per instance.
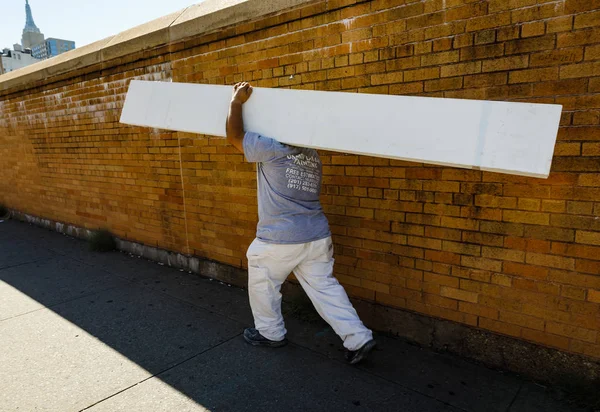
[289, 185]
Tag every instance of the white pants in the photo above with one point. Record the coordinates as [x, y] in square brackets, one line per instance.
[312, 263]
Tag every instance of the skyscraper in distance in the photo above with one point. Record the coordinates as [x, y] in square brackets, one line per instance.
[42, 48]
[31, 33]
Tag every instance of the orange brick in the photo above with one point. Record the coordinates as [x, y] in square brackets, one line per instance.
[526, 321]
[546, 338]
[570, 331]
[463, 40]
[435, 59]
[475, 275]
[587, 20]
[459, 223]
[580, 70]
[533, 75]
[559, 24]
[393, 77]
[478, 310]
[528, 270]
[377, 287]
[558, 206]
[506, 63]
[425, 20]
[575, 250]
[586, 118]
[526, 217]
[440, 279]
[481, 52]
[573, 292]
[424, 242]
[458, 294]
[441, 209]
[485, 37]
[460, 69]
[444, 30]
[407, 88]
[462, 248]
[436, 300]
[443, 257]
[574, 222]
[593, 296]
[423, 47]
[536, 13]
[536, 28]
[496, 201]
[592, 53]
[590, 149]
[481, 263]
[574, 278]
[467, 11]
[585, 348]
[501, 5]
[340, 72]
[557, 57]
[488, 22]
[507, 33]
[576, 6]
[390, 300]
[529, 204]
[422, 74]
[503, 254]
[550, 261]
[529, 45]
[502, 228]
[444, 84]
[403, 63]
[453, 315]
[531, 245]
[442, 44]
[500, 327]
[589, 180]
[483, 238]
[580, 208]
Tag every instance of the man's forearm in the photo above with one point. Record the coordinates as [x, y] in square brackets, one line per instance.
[235, 125]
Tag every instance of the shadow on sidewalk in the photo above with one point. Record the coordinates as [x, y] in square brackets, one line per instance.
[114, 332]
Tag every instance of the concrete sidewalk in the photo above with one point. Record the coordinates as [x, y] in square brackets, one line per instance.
[113, 332]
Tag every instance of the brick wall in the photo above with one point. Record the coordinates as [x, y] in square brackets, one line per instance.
[513, 255]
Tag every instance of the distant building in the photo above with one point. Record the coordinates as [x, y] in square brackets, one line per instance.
[52, 47]
[31, 33]
[15, 59]
[42, 48]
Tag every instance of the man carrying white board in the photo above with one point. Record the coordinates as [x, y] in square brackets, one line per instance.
[292, 235]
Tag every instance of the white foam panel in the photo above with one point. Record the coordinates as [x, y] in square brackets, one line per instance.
[505, 137]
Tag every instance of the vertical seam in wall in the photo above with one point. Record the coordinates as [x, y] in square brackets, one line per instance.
[187, 237]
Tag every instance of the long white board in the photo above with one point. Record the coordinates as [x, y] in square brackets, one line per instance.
[505, 137]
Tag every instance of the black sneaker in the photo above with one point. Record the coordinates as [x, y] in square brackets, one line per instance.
[355, 356]
[253, 337]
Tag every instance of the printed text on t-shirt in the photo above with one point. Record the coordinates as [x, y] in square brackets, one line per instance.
[301, 177]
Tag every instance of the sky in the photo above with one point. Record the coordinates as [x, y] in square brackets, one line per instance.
[83, 21]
